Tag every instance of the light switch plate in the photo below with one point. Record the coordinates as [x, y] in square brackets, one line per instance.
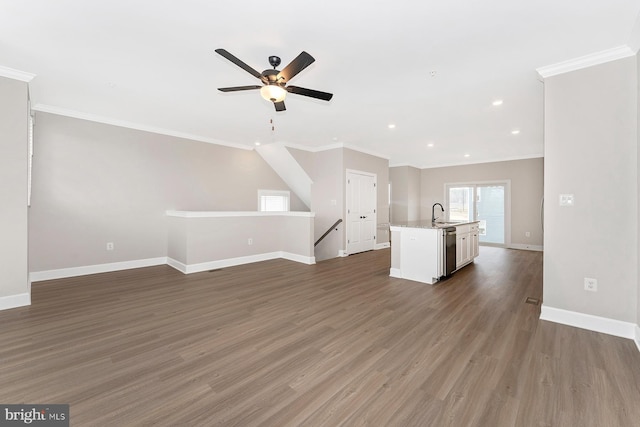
[566, 200]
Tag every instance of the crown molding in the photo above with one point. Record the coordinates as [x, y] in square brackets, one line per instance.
[467, 163]
[334, 146]
[586, 61]
[23, 76]
[43, 108]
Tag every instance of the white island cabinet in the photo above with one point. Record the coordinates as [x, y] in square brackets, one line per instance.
[418, 249]
[467, 243]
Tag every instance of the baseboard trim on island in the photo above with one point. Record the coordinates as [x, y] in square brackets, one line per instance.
[604, 325]
[395, 272]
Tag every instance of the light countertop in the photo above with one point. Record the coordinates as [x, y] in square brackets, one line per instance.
[429, 225]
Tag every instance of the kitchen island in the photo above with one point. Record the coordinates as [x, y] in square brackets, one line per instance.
[418, 250]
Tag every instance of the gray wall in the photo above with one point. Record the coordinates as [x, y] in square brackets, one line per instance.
[327, 170]
[367, 163]
[13, 192]
[638, 184]
[405, 193]
[591, 143]
[526, 178]
[95, 183]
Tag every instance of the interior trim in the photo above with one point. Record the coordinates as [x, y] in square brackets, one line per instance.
[604, 325]
[222, 214]
[232, 262]
[52, 109]
[11, 73]
[62, 273]
[585, 61]
[15, 301]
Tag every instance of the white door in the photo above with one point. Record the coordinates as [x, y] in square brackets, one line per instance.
[361, 211]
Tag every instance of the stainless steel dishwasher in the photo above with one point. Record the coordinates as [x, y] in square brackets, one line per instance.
[449, 242]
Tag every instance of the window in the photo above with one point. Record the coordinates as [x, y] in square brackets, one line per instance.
[273, 201]
[484, 202]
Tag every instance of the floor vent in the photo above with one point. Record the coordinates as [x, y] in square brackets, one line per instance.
[531, 300]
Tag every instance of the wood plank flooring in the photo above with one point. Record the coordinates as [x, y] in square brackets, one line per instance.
[279, 343]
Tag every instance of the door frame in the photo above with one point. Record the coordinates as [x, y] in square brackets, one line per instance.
[507, 204]
[346, 206]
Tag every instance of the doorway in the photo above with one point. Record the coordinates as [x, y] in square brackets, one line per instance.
[361, 201]
[486, 202]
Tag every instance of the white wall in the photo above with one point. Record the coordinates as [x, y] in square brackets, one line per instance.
[14, 283]
[591, 140]
[95, 183]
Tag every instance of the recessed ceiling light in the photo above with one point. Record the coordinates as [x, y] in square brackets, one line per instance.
[497, 102]
[430, 144]
[335, 138]
[515, 131]
[467, 155]
[392, 126]
[257, 143]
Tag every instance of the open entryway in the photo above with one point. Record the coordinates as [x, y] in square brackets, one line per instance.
[361, 201]
[487, 202]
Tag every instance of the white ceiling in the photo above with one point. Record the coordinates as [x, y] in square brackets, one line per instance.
[152, 65]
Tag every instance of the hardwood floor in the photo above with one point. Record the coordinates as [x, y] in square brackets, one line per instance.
[338, 343]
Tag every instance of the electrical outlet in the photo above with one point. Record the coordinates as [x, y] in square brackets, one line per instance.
[590, 284]
[109, 246]
[249, 241]
[566, 200]
[527, 234]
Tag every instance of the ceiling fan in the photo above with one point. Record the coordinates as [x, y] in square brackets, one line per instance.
[274, 83]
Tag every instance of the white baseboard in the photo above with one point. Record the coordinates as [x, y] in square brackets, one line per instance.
[637, 338]
[395, 272]
[309, 260]
[14, 301]
[590, 322]
[382, 245]
[377, 246]
[538, 248]
[230, 262]
[177, 265]
[36, 276]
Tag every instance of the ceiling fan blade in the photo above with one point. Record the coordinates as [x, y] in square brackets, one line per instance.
[239, 63]
[279, 106]
[237, 88]
[309, 92]
[301, 62]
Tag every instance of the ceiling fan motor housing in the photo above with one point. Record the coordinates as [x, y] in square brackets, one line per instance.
[274, 61]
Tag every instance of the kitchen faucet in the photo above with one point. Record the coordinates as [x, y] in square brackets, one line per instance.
[433, 214]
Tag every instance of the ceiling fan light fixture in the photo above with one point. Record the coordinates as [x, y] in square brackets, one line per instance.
[273, 93]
